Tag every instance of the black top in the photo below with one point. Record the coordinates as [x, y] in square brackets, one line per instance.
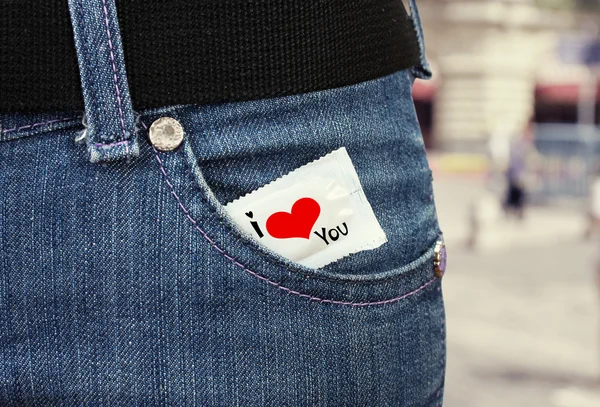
[208, 51]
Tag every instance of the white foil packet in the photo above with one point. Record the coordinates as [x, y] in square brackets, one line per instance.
[314, 215]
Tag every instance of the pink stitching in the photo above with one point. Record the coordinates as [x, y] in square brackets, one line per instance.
[100, 145]
[263, 278]
[28, 126]
[112, 59]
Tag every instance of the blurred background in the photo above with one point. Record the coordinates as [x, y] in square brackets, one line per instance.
[511, 122]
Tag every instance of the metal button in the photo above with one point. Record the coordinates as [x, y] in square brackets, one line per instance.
[166, 134]
[439, 259]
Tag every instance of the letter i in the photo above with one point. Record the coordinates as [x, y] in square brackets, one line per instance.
[255, 224]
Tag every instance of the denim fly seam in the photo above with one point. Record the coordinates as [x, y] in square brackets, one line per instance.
[109, 114]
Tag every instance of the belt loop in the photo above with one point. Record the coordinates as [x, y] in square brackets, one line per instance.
[109, 114]
[423, 70]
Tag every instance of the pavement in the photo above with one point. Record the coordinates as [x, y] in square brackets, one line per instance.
[469, 210]
[523, 305]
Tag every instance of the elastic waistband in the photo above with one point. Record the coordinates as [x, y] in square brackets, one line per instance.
[199, 52]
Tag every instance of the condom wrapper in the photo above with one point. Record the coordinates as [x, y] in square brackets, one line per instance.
[314, 215]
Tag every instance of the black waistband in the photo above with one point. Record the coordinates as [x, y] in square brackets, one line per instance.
[184, 51]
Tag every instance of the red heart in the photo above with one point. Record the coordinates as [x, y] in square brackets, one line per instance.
[298, 223]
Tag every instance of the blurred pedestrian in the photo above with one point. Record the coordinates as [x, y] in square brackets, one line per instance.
[594, 208]
[517, 173]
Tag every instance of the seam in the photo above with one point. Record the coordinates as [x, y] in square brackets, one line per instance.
[31, 126]
[437, 395]
[412, 266]
[112, 59]
[88, 76]
[265, 279]
[116, 143]
[443, 364]
[409, 268]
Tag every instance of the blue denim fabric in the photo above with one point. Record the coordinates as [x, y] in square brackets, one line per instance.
[125, 283]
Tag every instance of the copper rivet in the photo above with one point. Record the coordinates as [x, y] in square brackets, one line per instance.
[166, 134]
[439, 259]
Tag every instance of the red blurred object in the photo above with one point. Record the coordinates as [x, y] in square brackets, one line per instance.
[424, 90]
[562, 93]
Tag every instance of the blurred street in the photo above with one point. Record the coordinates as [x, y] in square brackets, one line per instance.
[522, 307]
[515, 93]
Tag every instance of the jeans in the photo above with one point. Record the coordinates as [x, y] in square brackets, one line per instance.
[124, 282]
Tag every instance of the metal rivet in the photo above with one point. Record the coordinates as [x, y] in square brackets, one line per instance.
[166, 134]
[439, 259]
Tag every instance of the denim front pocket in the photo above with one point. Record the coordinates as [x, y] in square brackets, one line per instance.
[233, 149]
